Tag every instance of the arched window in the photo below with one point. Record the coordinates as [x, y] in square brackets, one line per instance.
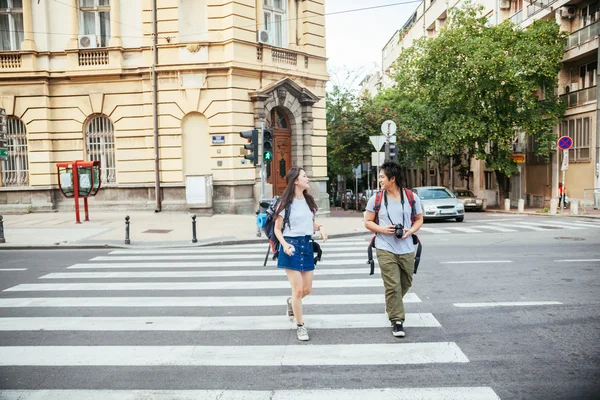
[100, 146]
[15, 170]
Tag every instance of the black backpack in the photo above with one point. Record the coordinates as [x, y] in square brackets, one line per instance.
[269, 227]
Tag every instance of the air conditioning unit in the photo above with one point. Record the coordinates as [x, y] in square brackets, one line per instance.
[263, 36]
[504, 4]
[572, 87]
[568, 12]
[87, 42]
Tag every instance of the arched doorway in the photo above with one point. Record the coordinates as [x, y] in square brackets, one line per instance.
[282, 150]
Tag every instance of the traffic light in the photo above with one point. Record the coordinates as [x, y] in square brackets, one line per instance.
[252, 137]
[394, 152]
[268, 145]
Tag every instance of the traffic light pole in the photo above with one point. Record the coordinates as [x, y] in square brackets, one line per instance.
[387, 147]
[262, 164]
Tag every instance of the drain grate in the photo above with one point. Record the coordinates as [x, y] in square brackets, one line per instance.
[158, 231]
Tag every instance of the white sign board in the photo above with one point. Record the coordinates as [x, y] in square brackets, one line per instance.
[388, 128]
[565, 163]
[377, 158]
[84, 181]
[66, 181]
[378, 142]
[195, 189]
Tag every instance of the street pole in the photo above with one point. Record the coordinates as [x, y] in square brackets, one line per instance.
[452, 172]
[155, 106]
[387, 146]
[262, 163]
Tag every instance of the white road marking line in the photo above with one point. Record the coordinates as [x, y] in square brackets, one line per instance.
[237, 323]
[219, 257]
[223, 285]
[522, 226]
[430, 393]
[333, 248]
[552, 224]
[346, 354]
[477, 262]
[498, 219]
[433, 230]
[465, 230]
[508, 304]
[580, 260]
[494, 228]
[194, 274]
[215, 264]
[12, 269]
[233, 301]
[571, 224]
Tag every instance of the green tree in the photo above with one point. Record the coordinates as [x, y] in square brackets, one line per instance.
[470, 90]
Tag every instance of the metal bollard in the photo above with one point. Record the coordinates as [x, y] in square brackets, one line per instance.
[127, 241]
[2, 240]
[194, 239]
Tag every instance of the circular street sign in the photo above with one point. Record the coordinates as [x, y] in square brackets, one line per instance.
[388, 128]
[565, 143]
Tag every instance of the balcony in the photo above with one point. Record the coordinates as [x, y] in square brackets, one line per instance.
[10, 61]
[583, 35]
[580, 97]
[538, 6]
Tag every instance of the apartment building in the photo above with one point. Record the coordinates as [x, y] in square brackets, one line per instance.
[76, 80]
[537, 181]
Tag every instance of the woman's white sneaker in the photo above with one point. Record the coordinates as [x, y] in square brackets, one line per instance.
[302, 333]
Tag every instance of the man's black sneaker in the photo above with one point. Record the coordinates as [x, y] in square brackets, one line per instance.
[398, 329]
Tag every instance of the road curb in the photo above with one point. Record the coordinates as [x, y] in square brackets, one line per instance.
[187, 245]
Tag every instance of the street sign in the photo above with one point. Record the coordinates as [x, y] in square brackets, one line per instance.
[565, 163]
[377, 158]
[565, 143]
[218, 139]
[378, 142]
[518, 158]
[388, 128]
[3, 154]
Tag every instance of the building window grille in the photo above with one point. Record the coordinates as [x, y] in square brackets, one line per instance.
[11, 25]
[489, 180]
[578, 129]
[15, 170]
[274, 14]
[95, 20]
[100, 146]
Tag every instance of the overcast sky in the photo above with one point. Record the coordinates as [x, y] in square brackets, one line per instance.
[355, 39]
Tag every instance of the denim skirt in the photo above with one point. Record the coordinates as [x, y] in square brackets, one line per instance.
[303, 259]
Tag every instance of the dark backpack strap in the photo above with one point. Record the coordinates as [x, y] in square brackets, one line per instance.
[378, 197]
[286, 219]
[417, 242]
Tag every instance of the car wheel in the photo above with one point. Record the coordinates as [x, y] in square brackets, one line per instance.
[460, 219]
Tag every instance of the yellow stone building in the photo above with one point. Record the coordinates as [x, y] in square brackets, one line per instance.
[76, 80]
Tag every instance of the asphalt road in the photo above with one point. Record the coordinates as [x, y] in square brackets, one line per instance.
[517, 311]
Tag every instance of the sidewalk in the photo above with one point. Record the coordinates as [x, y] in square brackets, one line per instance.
[169, 229]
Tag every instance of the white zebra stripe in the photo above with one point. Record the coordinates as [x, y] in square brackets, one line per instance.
[195, 274]
[215, 264]
[288, 355]
[232, 301]
[223, 285]
[237, 323]
[432, 393]
[257, 257]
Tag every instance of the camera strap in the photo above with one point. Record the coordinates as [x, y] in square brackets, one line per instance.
[388, 211]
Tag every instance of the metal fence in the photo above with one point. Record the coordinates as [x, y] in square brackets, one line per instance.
[15, 170]
[100, 146]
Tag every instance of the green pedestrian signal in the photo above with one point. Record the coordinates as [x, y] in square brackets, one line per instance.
[268, 145]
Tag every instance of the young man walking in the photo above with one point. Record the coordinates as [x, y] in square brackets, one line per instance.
[390, 215]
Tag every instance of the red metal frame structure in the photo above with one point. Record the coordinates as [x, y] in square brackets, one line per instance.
[70, 178]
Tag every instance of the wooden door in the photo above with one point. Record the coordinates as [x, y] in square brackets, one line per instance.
[282, 151]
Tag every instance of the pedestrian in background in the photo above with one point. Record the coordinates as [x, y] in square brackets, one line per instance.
[296, 249]
[395, 249]
[562, 192]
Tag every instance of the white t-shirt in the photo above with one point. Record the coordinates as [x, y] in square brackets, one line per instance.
[301, 219]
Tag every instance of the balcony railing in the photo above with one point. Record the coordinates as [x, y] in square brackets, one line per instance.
[284, 57]
[538, 6]
[580, 97]
[92, 58]
[10, 61]
[584, 34]
[517, 17]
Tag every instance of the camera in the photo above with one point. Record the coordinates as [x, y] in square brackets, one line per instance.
[399, 230]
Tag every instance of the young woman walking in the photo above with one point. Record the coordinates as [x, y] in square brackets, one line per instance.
[296, 250]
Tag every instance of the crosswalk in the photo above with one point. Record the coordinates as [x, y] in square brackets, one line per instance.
[509, 226]
[129, 311]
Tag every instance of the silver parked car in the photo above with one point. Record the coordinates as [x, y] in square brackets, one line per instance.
[440, 203]
[470, 201]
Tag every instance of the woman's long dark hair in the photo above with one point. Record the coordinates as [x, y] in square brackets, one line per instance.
[288, 194]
